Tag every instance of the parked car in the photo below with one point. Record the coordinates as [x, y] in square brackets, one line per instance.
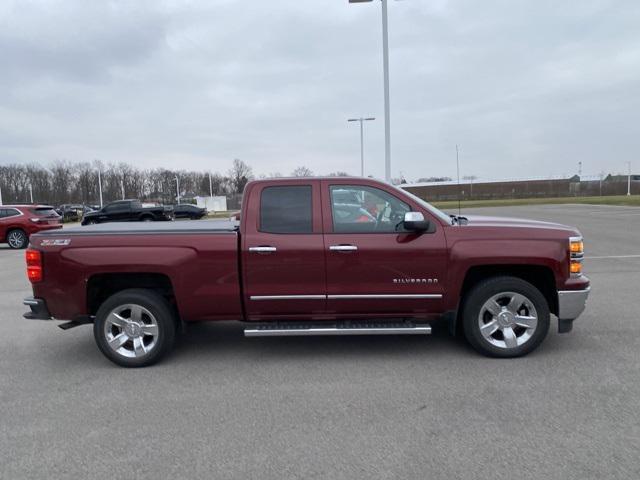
[19, 222]
[72, 212]
[191, 212]
[294, 266]
[127, 211]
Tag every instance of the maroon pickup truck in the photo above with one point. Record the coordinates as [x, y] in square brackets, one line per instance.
[312, 256]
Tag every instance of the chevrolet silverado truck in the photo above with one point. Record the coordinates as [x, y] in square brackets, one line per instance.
[312, 256]
[127, 211]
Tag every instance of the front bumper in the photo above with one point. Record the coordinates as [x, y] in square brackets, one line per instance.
[571, 303]
[39, 310]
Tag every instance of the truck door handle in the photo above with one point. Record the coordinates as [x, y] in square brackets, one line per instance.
[264, 249]
[343, 248]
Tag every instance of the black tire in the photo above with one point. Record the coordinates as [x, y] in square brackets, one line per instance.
[158, 309]
[17, 239]
[147, 218]
[482, 293]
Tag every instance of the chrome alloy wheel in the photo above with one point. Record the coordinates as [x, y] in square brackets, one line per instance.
[131, 331]
[508, 320]
[16, 239]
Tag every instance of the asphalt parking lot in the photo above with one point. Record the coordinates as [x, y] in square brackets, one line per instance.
[222, 406]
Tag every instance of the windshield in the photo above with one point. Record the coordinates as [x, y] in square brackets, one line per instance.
[438, 213]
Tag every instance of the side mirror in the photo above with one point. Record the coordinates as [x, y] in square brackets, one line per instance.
[415, 222]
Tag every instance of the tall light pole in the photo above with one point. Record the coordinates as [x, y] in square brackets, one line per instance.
[31, 192]
[361, 120]
[458, 170]
[177, 190]
[122, 188]
[210, 186]
[629, 179]
[385, 68]
[0, 194]
[100, 186]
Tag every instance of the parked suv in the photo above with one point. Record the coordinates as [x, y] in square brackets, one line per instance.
[19, 222]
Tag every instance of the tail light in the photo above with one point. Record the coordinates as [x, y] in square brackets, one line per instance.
[34, 265]
[576, 255]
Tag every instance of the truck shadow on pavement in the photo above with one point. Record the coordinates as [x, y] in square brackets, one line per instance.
[224, 342]
[227, 338]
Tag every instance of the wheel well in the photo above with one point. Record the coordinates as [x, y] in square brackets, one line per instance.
[539, 276]
[102, 286]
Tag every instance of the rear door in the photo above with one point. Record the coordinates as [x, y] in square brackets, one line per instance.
[283, 255]
[374, 266]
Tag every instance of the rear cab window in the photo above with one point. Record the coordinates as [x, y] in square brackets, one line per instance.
[123, 206]
[286, 209]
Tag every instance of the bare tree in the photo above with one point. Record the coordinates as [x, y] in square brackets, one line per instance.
[302, 172]
[62, 182]
[239, 175]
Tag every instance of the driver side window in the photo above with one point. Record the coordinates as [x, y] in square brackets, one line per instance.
[361, 209]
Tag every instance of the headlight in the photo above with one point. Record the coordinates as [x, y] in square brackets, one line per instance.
[576, 255]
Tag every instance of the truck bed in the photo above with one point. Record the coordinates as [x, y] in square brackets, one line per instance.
[198, 258]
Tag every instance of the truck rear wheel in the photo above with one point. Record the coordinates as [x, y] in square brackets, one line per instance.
[505, 317]
[135, 328]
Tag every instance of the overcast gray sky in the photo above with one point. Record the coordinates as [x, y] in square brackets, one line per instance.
[527, 88]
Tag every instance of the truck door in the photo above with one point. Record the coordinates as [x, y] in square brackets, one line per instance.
[283, 255]
[374, 267]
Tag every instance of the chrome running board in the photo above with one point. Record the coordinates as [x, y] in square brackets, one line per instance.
[341, 328]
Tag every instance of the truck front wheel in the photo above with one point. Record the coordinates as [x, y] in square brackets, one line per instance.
[135, 328]
[505, 317]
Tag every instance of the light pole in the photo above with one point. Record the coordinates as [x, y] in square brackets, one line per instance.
[177, 190]
[122, 188]
[361, 120]
[31, 192]
[629, 179]
[210, 186]
[385, 68]
[100, 186]
[0, 194]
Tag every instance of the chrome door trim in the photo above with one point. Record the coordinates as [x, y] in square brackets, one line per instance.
[264, 249]
[346, 297]
[343, 248]
[385, 296]
[288, 297]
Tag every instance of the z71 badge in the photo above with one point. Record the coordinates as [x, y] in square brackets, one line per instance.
[55, 242]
